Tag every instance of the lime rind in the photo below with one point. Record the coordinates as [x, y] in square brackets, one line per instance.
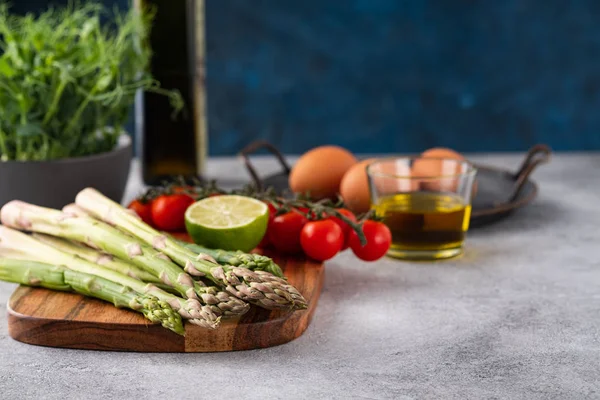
[227, 222]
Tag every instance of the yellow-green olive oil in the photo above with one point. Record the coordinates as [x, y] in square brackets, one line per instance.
[424, 221]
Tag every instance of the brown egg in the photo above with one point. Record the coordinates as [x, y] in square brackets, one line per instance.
[319, 172]
[354, 188]
[433, 168]
[442, 152]
[393, 177]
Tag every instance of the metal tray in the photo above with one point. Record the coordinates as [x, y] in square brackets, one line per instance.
[500, 192]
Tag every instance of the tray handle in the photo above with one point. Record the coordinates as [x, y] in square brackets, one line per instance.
[253, 148]
[537, 155]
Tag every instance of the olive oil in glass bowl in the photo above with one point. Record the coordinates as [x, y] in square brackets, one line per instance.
[425, 202]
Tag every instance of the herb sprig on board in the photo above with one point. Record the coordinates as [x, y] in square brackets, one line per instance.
[68, 79]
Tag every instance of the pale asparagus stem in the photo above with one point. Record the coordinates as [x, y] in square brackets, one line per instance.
[58, 278]
[103, 237]
[75, 210]
[103, 259]
[17, 245]
[266, 291]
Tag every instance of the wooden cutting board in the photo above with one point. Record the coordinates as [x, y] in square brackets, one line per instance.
[48, 318]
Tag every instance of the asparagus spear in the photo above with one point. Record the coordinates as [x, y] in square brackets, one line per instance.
[258, 287]
[254, 262]
[103, 259]
[57, 278]
[101, 236]
[17, 245]
[75, 210]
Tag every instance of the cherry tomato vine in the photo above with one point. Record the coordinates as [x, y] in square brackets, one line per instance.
[312, 211]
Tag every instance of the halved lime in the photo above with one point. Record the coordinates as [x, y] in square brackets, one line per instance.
[227, 222]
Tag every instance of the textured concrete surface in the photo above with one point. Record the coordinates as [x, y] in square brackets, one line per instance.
[517, 317]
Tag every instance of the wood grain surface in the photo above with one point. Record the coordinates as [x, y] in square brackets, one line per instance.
[47, 318]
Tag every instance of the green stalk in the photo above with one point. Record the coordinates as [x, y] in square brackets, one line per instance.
[3, 147]
[55, 99]
[258, 287]
[18, 150]
[17, 245]
[57, 278]
[254, 262]
[153, 309]
[103, 259]
[77, 115]
[96, 234]
[32, 273]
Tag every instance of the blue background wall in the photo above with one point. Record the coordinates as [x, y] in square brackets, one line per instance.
[403, 75]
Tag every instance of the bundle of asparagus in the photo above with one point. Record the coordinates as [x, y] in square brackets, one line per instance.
[98, 235]
[119, 258]
[257, 287]
[254, 262]
[19, 246]
[58, 278]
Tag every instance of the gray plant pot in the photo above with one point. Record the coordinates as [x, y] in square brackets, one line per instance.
[56, 183]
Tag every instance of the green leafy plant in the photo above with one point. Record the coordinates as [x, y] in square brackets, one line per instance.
[68, 80]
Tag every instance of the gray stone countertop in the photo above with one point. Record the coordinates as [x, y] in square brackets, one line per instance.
[517, 317]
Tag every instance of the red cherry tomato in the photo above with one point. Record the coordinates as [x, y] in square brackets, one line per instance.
[265, 242]
[379, 240]
[346, 229]
[284, 232]
[144, 210]
[168, 211]
[321, 240]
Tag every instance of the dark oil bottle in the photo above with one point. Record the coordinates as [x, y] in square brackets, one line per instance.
[174, 146]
